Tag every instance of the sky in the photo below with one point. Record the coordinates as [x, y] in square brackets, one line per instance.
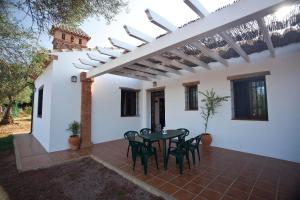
[175, 11]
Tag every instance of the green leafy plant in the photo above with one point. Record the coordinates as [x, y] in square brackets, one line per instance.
[74, 128]
[211, 102]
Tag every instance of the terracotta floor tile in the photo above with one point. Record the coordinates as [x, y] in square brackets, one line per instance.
[237, 194]
[183, 195]
[193, 188]
[211, 195]
[179, 181]
[263, 193]
[169, 188]
[201, 181]
[156, 182]
[218, 187]
[242, 186]
[224, 180]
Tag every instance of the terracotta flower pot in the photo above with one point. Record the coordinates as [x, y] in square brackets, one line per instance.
[206, 139]
[74, 142]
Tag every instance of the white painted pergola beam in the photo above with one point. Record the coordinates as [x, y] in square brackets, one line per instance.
[130, 76]
[98, 58]
[197, 7]
[210, 53]
[122, 45]
[138, 34]
[266, 35]
[88, 62]
[158, 66]
[191, 59]
[238, 49]
[81, 66]
[138, 73]
[216, 22]
[160, 21]
[109, 52]
[174, 63]
[147, 70]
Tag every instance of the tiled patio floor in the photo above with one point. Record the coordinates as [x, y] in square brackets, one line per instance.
[221, 174]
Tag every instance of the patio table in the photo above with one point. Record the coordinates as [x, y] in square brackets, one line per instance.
[154, 136]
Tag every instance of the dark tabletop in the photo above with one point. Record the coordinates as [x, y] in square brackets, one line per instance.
[159, 136]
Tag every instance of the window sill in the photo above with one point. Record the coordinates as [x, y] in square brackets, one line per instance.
[131, 116]
[191, 110]
[260, 120]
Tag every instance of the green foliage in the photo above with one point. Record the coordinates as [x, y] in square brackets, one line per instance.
[74, 128]
[6, 143]
[71, 12]
[211, 102]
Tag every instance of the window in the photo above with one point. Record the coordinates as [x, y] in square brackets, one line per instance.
[250, 98]
[40, 102]
[80, 41]
[63, 36]
[191, 96]
[72, 38]
[129, 102]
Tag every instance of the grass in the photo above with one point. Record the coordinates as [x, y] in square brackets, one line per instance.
[6, 143]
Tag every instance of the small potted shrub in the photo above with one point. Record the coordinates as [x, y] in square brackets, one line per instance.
[211, 102]
[74, 139]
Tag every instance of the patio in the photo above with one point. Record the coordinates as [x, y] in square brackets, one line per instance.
[221, 174]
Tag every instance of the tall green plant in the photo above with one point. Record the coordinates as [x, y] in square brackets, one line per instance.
[74, 128]
[211, 102]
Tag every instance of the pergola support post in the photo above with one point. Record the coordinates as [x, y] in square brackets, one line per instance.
[86, 110]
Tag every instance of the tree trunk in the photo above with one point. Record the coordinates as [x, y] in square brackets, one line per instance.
[7, 118]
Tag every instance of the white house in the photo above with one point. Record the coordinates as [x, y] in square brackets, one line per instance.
[251, 56]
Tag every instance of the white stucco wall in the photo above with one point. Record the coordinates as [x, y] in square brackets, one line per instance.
[41, 126]
[66, 98]
[107, 123]
[279, 137]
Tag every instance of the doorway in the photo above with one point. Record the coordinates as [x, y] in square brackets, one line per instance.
[157, 110]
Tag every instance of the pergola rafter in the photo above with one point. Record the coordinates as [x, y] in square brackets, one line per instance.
[177, 38]
[196, 6]
[267, 38]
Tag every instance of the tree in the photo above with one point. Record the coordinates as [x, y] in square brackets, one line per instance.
[14, 78]
[72, 12]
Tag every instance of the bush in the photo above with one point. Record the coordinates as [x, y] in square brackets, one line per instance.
[6, 143]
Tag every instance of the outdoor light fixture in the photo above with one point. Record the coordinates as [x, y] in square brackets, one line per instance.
[74, 79]
[154, 83]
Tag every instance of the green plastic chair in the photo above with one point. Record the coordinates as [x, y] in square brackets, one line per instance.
[195, 146]
[185, 132]
[146, 131]
[143, 151]
[130, 136]
[179, 152]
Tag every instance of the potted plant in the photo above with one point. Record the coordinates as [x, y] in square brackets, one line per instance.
[74, 139]
[211, 102]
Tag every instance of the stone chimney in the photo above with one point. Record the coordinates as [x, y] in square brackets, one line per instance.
[66, 37]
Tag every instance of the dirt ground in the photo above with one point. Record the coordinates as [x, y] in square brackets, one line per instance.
[20, 125]
[83, 179]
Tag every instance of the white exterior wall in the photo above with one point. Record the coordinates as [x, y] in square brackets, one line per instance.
[66, 98]
[279, 137]
[41, 126]
[107, 123]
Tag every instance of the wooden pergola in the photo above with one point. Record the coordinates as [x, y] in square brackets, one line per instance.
[162, 56]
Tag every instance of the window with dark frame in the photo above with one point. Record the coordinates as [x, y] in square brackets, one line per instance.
[250, 98]
[63, 36]
[191, 97]
[129, 103]
[72, 38]
[40, 102]
[80, 41]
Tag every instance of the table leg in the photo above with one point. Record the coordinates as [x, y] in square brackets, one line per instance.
[164, 154]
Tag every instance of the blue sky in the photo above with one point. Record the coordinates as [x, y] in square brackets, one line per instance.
[175, 11]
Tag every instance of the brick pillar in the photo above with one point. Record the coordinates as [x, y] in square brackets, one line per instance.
[86, 108]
